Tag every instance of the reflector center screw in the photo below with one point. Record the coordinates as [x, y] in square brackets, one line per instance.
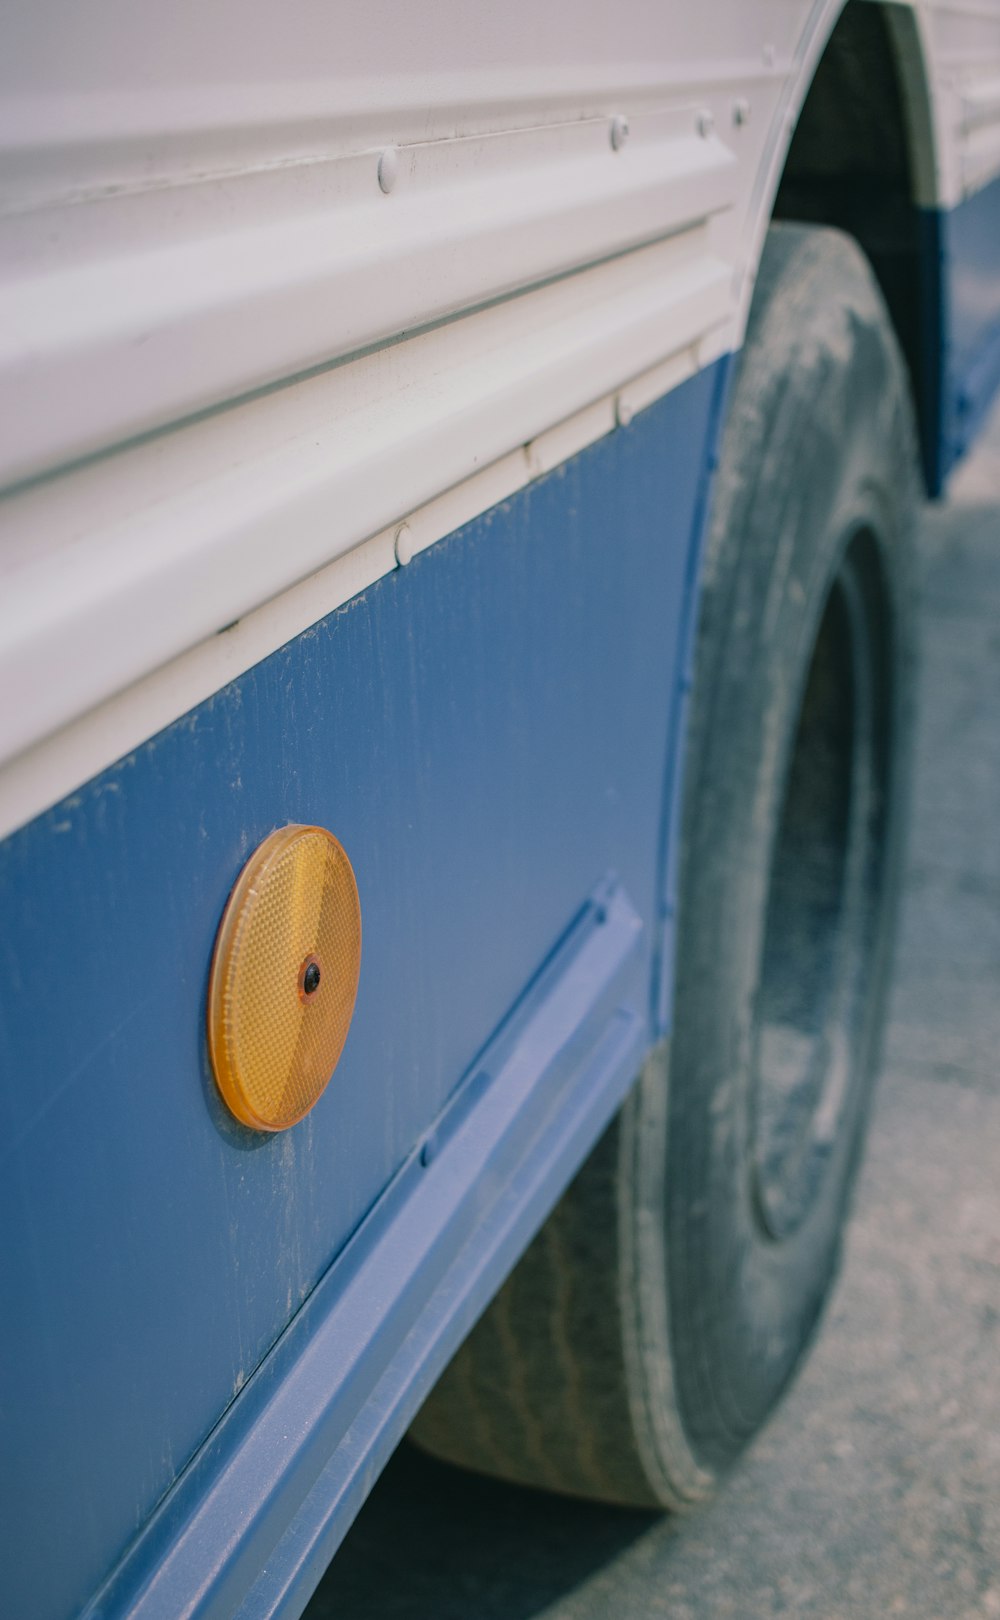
[310, 978]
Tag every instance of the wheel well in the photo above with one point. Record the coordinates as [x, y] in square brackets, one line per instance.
[852, 163]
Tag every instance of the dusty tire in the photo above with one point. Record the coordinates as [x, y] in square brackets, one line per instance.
[657, 1318]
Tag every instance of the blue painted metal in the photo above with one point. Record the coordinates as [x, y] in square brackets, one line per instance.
[487, 731]
[293, 1460]
[961, 251]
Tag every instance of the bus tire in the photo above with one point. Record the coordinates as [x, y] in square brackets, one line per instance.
[661, 1312]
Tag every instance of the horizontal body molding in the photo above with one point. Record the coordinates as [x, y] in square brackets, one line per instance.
[489, 732]
[290, 272]
[276, 315]
[168, 253]
[124, 564]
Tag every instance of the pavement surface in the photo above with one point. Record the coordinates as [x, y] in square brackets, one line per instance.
[875, 1491]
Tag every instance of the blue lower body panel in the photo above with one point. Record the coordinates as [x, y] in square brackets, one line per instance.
[211, 1338]
[295, 1456]
[962, 253]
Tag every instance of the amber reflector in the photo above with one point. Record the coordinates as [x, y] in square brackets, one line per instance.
[284, 977]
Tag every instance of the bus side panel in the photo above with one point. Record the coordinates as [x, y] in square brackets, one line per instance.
[488, 731]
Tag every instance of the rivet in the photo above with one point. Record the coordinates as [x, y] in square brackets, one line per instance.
[619, 132]
[623, 412]
[388, 168]
[403, 544]
[741, 111]
[704, 123]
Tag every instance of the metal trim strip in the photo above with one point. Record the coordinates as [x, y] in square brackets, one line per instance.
[141, 321]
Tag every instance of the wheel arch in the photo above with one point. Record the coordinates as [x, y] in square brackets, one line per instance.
[861, 154]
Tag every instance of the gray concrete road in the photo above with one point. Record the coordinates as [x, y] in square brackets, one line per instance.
[876, 1489]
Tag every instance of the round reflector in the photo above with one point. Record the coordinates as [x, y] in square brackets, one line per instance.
[284, 977]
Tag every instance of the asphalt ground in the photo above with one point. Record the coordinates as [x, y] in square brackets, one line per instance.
[875, 1490]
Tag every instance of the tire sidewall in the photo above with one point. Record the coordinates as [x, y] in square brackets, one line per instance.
[819, 447]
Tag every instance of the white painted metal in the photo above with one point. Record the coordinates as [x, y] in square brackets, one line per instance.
[951, 54]
[192, 213]
[127, 562]
[41, 774]
[261, 286]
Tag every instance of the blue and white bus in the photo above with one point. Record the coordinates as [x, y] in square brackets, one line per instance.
[459, 469]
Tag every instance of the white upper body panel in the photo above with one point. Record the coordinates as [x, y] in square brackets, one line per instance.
[234, 241]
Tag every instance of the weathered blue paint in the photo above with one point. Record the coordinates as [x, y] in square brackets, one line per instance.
[961, 253]
[488, 732]
[292, 1461]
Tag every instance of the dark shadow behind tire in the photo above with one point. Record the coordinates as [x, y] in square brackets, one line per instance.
[662, 1310]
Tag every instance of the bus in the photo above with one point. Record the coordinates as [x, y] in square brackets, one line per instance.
[459, 473]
